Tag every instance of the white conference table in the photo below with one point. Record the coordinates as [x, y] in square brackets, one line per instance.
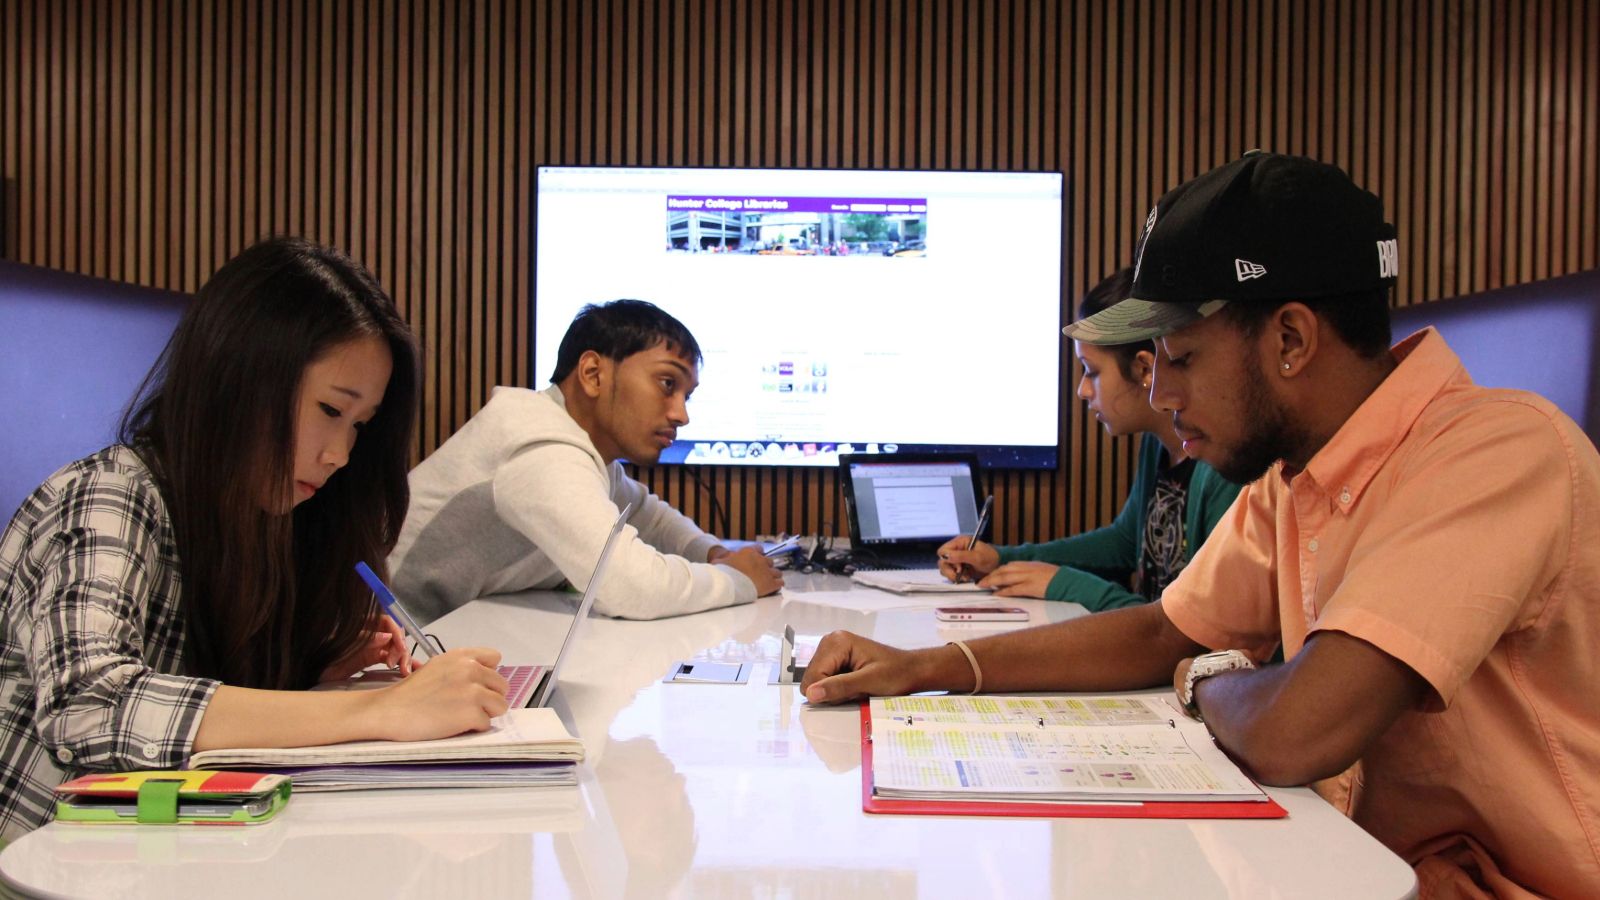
[702, 790]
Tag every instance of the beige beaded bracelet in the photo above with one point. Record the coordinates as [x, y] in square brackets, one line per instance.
[977, 673]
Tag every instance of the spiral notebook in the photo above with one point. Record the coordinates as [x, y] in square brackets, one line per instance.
[524, 747]
[915, 581]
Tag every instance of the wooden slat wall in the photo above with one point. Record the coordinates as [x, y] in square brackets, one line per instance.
[148, 141]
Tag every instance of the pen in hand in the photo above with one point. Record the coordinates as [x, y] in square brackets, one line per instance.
[392, 607]
[963, 571]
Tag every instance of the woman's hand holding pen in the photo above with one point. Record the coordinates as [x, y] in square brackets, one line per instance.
[455, 692]
[384, 642]
[958, 564]
[965, 567]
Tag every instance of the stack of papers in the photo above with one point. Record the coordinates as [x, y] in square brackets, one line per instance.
[524, 747]
[914, 581]
[429, 775]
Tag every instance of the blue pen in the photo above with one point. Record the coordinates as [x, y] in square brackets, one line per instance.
[392, 606]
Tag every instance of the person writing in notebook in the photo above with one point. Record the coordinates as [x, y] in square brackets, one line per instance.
[1423, 549]
[1174, 504]
[178, 591]
[525, 493]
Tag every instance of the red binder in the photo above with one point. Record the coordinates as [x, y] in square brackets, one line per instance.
[1225, 809]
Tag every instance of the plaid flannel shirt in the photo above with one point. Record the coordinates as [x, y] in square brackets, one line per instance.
[91, 636]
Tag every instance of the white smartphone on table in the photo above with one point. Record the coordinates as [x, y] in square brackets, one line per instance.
[980, 614]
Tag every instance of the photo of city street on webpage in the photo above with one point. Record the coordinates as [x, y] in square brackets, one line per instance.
[838, 311]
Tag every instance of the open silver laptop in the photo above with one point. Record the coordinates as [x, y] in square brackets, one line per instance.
[534, 685]
[526, 685]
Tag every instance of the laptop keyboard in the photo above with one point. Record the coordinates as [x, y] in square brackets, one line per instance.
[521, 682]
[867, 560]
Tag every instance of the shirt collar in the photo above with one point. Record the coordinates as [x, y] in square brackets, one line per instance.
[1346, 463]
[554, 393]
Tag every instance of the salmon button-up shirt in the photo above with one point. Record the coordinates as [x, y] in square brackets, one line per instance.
[1457, 529]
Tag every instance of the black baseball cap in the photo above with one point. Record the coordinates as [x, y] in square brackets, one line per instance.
[1263, 227]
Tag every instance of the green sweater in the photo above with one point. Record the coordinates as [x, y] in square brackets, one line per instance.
[1096, 566]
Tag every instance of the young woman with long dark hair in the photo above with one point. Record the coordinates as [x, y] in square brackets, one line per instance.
[179, 590]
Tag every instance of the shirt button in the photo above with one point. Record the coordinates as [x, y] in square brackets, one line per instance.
[64, 754]
[151, 751]
[1344, 496]
[1312, 546]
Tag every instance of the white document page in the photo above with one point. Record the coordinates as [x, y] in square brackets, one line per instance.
[1047, 748]
[915, 581]
[915, 507]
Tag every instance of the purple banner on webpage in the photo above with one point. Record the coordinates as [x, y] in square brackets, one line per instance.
[757, 204]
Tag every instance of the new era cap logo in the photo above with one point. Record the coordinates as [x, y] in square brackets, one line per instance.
[1389, 259]
[1144, 237]
[1247, 270]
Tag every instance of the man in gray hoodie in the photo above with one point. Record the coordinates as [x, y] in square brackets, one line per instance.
[523, 496]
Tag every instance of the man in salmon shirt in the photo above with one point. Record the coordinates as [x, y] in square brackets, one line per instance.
[1425, 551]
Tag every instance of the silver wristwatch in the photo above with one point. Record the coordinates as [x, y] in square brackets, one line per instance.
[1205, 666]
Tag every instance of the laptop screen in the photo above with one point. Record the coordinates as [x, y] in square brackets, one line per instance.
[541, 697]
[904, 501]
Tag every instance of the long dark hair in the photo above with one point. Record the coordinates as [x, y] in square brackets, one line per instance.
[272, 599]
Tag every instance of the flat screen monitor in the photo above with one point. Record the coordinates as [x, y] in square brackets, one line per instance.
[838, 311]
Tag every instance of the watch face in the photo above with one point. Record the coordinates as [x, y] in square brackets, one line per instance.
[1207, 665]
[1222, 661]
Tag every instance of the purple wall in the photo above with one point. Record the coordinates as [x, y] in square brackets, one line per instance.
[74, 350]
[1542, 337]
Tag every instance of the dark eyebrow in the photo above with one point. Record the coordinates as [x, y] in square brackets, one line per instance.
[352, 393]
[677, 364]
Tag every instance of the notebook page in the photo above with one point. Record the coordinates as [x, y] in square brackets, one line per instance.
[520, 734]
